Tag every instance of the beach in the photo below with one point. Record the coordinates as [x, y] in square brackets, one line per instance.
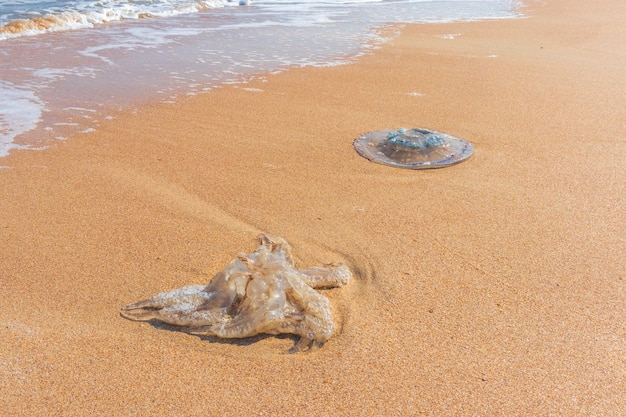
[494, 287]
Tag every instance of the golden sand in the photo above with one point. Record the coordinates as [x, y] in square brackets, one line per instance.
[495, 287]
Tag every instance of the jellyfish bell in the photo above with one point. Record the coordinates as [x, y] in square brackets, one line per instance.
[413, 148]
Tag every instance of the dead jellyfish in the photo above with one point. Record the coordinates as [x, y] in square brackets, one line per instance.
[258, 292]
[413, 148]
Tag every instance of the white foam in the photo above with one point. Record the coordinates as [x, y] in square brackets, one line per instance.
[135, 38]
[450, 36]
[87, 14]
[80, 109]
[54, 74]
[20, 111]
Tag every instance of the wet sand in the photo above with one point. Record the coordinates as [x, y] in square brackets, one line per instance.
[493, 287]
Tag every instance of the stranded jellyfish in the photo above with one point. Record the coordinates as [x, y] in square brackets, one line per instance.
[258, 292]
[413, 148]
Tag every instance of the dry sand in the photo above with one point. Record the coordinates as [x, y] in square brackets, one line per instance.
[495, 287]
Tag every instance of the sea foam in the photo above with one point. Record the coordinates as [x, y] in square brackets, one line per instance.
[60, 16]
[20, 111]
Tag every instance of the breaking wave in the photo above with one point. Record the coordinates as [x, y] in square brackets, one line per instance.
[80, 15]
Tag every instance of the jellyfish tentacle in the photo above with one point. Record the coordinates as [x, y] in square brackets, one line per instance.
[148, 309]
[318, 277]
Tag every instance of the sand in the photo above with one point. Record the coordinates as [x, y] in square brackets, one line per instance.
[495, 287]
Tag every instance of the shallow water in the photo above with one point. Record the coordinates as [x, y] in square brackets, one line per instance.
[67, 79]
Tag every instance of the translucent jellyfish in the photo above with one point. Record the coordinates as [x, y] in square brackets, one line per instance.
[413, 148]
[258, 292]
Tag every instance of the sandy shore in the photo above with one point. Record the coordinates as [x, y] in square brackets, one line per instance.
[496, 287]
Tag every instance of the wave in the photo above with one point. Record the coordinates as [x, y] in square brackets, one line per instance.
[88, 15]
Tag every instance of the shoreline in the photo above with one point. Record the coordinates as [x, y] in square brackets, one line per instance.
[68, 82]
[495, 286]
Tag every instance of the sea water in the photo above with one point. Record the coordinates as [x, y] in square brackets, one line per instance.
[67, 65]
